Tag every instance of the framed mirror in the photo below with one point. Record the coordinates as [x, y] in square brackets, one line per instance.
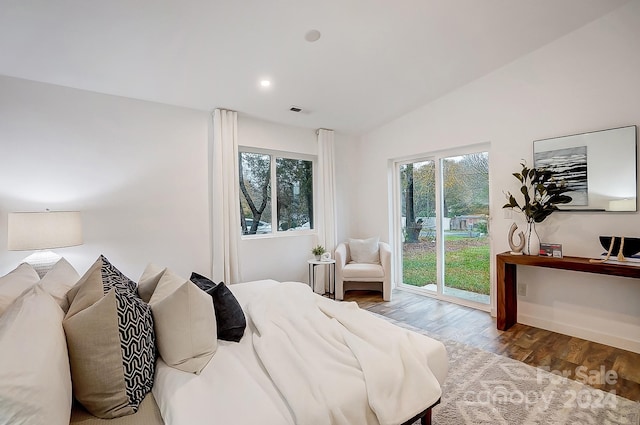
[599, 167]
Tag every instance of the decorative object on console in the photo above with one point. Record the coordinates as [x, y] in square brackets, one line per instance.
[541, 195]
[516, 249]
[630, 246]
[626, 248]
[325, 256]
[551, 250]
[40, 231]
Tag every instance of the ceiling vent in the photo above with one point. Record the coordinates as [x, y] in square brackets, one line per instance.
[295, 109]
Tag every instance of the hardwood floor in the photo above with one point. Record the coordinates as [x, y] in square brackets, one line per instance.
[536, 347]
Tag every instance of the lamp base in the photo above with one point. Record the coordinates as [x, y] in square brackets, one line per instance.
[42, 261]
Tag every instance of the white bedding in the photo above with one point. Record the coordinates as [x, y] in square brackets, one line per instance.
[236, 388]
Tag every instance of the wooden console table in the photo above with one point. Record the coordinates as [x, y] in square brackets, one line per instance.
[507, 302]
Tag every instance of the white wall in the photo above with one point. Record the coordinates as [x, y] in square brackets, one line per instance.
[138, 173]
[281, 257]
[349, 213]
[136, 170]
[588, 80]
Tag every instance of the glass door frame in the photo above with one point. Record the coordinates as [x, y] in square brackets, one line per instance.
[396, 225]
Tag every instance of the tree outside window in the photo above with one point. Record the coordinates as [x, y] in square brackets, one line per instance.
[293, 209]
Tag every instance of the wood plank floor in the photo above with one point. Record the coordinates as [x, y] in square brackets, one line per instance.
[533, 346]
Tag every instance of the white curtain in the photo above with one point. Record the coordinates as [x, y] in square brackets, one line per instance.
[225, 198]
[326, 210]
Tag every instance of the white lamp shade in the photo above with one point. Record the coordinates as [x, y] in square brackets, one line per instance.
[44, 230]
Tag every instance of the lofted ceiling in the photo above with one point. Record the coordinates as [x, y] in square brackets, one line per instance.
[375, 60]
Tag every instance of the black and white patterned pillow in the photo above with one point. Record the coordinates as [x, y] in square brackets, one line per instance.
[111, 342]
[137, 339]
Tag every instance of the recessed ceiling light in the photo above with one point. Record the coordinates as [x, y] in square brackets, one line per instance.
[312, 35]
[265, 83]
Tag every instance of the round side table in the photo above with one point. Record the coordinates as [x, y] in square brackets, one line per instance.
[332, 274]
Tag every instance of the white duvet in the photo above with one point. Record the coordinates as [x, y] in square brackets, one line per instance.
[305, 360]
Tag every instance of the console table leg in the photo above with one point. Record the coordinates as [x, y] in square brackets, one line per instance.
[507, 305]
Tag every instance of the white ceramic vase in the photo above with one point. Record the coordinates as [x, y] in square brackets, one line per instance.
[532, 247]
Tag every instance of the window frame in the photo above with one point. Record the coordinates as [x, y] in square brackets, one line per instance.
[273, 193]
[396, 222]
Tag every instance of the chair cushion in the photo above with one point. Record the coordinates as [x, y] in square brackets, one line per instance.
[364, 250]
[362, 270]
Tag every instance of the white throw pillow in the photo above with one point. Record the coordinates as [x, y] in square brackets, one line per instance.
[15, 283]
[364, 250]
[59, 280]
[35, 380]
[149, 281]
[185, 323]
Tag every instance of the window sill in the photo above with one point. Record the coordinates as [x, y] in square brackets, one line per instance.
[283, 234]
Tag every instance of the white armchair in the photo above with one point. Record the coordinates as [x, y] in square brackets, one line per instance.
[363, 275]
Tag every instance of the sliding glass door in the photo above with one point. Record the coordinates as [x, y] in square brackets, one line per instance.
[443, 230]
[419, 218]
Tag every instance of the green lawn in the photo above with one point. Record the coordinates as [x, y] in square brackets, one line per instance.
[466, 264]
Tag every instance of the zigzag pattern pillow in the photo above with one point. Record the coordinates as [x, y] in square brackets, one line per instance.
[137, 339]
[111, 342]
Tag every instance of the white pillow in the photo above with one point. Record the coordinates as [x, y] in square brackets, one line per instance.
[364, 250]
[15, 283]
[35, 380]
[185, 323]
[149, 281]
[59, 280]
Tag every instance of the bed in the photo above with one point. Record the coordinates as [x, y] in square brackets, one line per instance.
[303, 359]
[244, 392]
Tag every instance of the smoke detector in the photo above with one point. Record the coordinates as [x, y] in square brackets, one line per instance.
[312, 36]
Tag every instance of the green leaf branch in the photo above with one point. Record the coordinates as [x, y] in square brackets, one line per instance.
[541, 193]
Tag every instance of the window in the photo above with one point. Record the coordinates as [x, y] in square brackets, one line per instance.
[293, 191]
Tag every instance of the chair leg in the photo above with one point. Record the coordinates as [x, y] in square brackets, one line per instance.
[386, 293]
[339, 291]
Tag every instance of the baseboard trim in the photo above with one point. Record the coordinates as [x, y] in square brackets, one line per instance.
[580, 332]
[453, 300]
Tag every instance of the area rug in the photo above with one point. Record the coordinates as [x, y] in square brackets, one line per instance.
[484, 388]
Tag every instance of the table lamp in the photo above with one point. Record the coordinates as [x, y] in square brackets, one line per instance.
[41, 231]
